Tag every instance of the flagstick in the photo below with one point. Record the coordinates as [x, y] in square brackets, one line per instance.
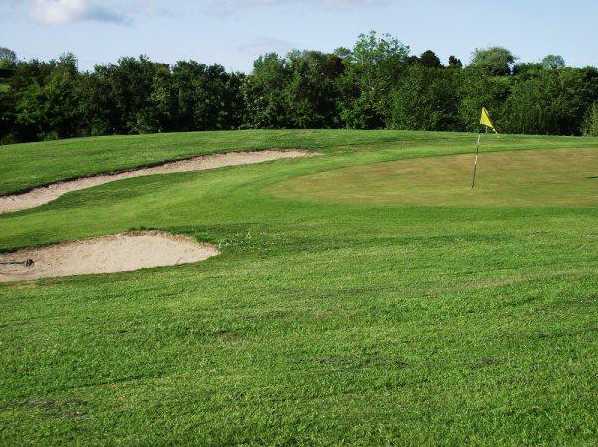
[486, 122]
[475, 166]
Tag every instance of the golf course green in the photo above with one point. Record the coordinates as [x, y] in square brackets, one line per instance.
[363, 296]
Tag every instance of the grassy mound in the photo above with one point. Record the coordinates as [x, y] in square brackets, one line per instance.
[326, 320]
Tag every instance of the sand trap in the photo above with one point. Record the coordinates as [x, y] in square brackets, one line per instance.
[43, 195]
[120, 253]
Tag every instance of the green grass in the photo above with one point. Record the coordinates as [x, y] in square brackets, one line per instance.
[326, 320]
[549, 178]
[25, 166]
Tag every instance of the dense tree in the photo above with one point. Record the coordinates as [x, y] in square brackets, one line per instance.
[429, 59]
[264, 93]
[590, 124]
[478, 90]
[454, 62]
[342, 53]
[8, 58]
[376, 84]
[373, 71]
[63, 99]
[551, 102]
[496, 61]
[553, 62]
[527, 70]
[299, 91]
[313, 89]
[427, 99]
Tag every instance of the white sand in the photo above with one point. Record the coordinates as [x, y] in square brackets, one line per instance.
[40, 196]
[119, 253]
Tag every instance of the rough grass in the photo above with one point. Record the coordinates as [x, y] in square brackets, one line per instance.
[322, 323]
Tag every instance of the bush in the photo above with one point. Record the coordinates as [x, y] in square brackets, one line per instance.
[590, 126]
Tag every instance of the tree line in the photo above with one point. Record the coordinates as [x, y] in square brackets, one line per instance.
[377, 84]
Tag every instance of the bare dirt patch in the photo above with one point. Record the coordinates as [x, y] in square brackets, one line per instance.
[43, 195]
[119, 253]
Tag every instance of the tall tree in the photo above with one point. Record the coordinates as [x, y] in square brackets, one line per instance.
[63, 99]
[374, 69]
[8, 58]
[264, 91]
[427, 99]
[454, 62]
[553, 62]
[312, 90]
[497, 61]
[477, 90]
[590, 124]
[429, 59]
[551, 102]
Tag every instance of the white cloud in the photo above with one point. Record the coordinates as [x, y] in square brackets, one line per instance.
[58, 12]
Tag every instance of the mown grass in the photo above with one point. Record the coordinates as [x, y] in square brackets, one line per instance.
[321, 323]
[549, 178]
[25, 166]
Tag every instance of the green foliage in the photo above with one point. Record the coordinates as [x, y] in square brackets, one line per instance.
[478, 90]
[553, 62]
[264, 93]
[429, 59]
[8, 58]
[547, 103]
[527, 70]
[373, 72]
[454, 62]
[427, 99]
[299, 91]
[590, 127]
[496, 61]
[63, 98]
[371, 86]
[313, 89]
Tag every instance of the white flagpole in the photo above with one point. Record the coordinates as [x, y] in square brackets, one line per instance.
[475, 165]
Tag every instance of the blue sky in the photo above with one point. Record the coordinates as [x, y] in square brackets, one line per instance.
[235, 32]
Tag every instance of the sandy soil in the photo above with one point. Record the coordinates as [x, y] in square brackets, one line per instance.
[40, 196]
[118, 253]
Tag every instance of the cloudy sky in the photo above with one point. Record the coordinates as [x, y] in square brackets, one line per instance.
[235, 32]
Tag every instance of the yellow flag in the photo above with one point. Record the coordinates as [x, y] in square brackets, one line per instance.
[486, 121]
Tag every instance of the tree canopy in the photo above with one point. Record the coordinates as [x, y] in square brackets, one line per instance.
[497, 61]
[553, 62]
[375, 84]
[8, 58]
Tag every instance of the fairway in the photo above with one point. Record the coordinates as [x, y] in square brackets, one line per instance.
[364, 296]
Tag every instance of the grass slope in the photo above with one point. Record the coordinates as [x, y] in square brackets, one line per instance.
[323, 322]
[25, 166]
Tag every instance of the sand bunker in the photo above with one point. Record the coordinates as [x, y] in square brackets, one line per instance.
[40, 196]
[120, 253]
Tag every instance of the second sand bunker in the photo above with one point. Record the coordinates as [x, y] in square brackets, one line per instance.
[46, 194]
[119, 253]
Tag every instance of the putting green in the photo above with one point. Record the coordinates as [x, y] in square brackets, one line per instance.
[537, 178]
